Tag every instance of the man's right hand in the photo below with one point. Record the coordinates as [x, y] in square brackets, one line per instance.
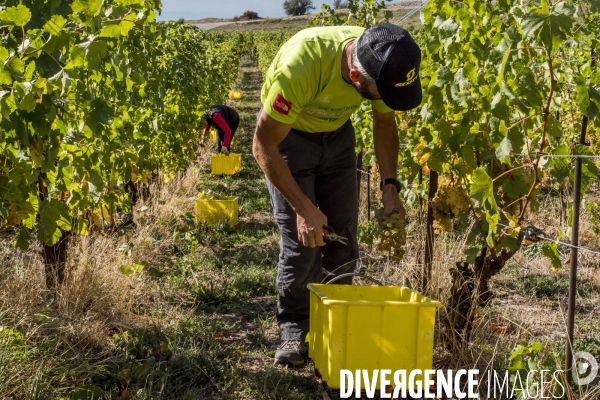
[310, 227]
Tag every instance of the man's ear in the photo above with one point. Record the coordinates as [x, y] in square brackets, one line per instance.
[355, 75]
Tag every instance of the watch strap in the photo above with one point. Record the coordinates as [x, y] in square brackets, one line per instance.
[392, 181]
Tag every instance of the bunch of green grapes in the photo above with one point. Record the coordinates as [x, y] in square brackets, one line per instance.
[449, 201]
[392, 233]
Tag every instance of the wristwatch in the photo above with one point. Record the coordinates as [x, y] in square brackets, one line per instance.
[390, 181]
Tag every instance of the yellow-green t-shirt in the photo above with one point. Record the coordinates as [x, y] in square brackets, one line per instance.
[304, 84]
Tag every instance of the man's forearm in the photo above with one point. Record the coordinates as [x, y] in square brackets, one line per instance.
[278, 173]
[385, 139]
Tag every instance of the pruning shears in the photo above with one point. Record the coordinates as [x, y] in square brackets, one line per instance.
[532, 234]
[331, 236]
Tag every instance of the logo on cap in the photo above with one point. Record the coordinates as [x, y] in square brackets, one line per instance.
[410, 78]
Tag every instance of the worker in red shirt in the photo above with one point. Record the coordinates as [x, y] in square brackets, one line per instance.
[225, 120]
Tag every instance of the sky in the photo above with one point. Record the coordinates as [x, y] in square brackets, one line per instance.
[198, 9]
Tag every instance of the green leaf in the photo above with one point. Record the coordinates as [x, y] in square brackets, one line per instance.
[554, 127]
[55, 25]
[110, 30]
[468, 155]
[19, 15]
[34, 201]
[510, 242]
[18, 212]
[550, 27]
[82, 227]
[533, 21]
[504, 151]
[95, 186]
[54, 216]
[95, 51]
[16, 65]
[130, 270]
[90, 8]
[527, 89]
[492, 220]
[471, 254]
[517, 351]
[537, 347]
[23, 239]
[550, 250]
[77, 54]
[560, 168]
[27, 102]
[585, 95]
[30, 71]
[482, 188]
[515, 186]
[127, 24]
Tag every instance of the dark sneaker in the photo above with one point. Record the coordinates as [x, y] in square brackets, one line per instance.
[292, 353]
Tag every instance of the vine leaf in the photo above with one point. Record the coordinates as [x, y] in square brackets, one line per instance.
[54, 216]
[96, 186]
[588, 99]
[482, 188]
[110, 30]
[504, 150]
[549, 25]
[127, 24]
[510, 242]
[492, 220]
[89, 8]
[22, 240]
[471, 254]
[55, 25]
[550, 250]
[19, 15]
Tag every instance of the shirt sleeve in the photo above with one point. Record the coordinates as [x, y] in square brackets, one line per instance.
[379, 105]
[290, 85]
[218, 119]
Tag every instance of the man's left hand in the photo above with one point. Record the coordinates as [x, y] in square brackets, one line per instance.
[391, 202]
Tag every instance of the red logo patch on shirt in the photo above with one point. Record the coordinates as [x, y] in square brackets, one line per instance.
[281, 105]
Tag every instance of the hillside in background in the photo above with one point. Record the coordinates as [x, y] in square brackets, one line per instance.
[398, 9]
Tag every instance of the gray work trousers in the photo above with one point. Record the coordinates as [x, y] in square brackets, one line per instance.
[324, 167]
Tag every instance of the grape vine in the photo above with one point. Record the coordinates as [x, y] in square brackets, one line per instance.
[96, 95]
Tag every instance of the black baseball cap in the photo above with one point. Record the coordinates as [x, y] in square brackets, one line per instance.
[390, 55]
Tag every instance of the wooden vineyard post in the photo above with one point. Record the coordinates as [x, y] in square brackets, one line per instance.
[426, 278]
[359, 167]
[574, 248]
[573, 263]
[420, 252]
[369, 193]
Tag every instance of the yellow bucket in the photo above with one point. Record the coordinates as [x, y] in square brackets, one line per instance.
[215, 212]
[369, 327]
[235, 95]
[226, 165]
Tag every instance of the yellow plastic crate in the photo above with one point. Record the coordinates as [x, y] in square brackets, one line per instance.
[226, 165]
[215, 212]
[214, 135]
[369, 327]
